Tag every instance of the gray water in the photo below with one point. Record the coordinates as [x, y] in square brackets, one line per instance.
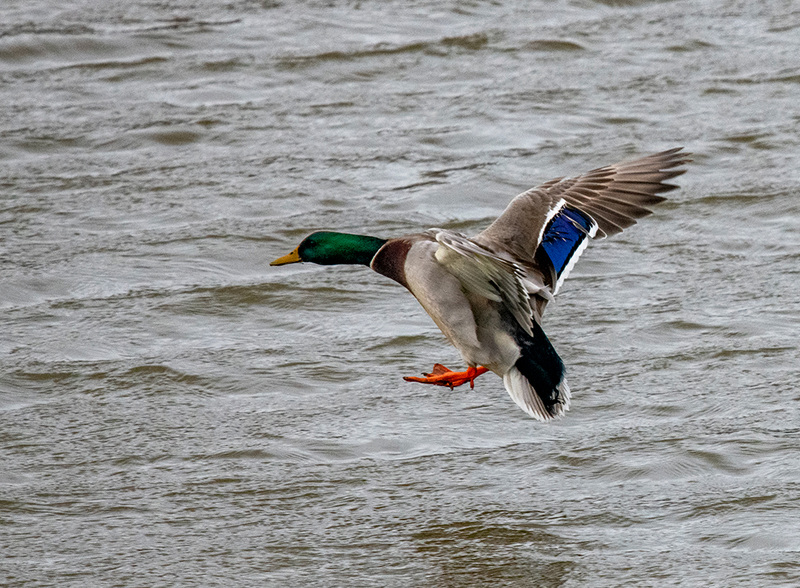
[174, 412]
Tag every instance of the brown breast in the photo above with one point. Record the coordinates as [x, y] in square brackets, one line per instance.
[391, 258]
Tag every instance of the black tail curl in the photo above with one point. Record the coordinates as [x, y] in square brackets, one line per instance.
[542, 367]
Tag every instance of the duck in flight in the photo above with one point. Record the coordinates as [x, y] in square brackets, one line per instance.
[488, 293]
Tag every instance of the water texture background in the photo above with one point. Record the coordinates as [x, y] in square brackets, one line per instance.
[174, 412]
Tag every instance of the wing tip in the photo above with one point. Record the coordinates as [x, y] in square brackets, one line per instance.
[639, 181]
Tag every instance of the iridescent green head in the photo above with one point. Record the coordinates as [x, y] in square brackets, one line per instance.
[328, 248]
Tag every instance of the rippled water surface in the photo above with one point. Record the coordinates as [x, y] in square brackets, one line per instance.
[174, 412]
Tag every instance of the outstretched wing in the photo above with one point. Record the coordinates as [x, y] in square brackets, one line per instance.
[546, 228]
[616, 196]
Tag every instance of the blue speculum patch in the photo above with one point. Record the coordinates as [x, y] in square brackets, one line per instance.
[562, 237]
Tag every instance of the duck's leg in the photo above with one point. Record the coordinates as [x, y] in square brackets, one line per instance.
[442, 376]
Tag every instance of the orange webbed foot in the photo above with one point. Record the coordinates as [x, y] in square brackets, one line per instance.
[442, 376]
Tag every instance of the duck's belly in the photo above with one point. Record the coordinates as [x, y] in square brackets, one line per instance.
[470, 322]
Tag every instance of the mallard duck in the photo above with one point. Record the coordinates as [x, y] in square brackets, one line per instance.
[488, 293]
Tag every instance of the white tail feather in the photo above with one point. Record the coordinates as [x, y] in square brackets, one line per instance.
[523, 394]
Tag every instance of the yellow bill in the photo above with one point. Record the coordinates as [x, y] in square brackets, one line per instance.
[292, 257]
